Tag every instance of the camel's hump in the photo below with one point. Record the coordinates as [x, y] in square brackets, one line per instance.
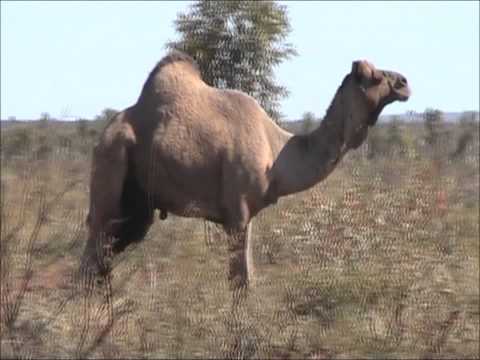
[175, 56]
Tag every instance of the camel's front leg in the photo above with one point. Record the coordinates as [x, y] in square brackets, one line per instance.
[240, 264]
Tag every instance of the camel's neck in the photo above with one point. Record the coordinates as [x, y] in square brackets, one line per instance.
[306, 160]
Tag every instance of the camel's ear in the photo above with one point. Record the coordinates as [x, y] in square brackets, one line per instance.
[361, 70]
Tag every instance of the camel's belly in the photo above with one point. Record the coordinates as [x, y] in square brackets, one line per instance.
[190, 189]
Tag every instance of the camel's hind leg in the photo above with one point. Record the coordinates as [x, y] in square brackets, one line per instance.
[109, 169]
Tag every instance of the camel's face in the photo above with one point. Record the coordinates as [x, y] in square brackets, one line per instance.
[379, 87]
[369, 91]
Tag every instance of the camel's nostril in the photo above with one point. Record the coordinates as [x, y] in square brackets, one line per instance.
[403, 81]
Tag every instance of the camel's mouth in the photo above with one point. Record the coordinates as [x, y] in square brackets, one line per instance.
[399, 87]
[403, 94]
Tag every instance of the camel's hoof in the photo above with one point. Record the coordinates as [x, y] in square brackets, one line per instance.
[238, 284]
[238, 275]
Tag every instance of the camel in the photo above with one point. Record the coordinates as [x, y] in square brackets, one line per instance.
[193, 150]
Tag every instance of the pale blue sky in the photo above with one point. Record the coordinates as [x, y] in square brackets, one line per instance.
[76, 58]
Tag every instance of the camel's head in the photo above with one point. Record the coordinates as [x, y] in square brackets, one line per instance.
[379, 87]
[372, 90]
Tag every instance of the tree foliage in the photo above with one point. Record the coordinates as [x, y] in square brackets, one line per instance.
[375, 143]
[100, 121]
[308, 122]
[434, 123]
[468, 129]
[44, 119]
[394, 136]
[82, 128]
[45, 116]
[237, 45]
[18, 143]
[106, 114]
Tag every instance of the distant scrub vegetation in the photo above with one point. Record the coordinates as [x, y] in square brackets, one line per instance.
[431, 135]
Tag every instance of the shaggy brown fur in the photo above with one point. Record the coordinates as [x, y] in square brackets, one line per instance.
[197, 151]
